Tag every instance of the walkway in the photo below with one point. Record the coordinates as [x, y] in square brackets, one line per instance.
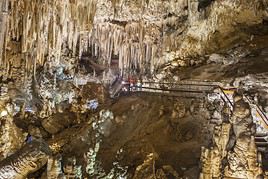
[204, 89]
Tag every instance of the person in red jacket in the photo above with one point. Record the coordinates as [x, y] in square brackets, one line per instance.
[132, 83]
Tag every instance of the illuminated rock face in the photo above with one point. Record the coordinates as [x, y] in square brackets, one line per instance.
[11, 137]
[115, 28]
[54, 168]
[146, 170]
[242, 161]
[39, 37]
[140, 34]
[242, 157]
[211, 159]
[3, 21]
[28, 159]
[221, 18]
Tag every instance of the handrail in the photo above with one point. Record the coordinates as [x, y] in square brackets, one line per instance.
[229, 101]
[180, 83]
[266, 119]
[175, 90]
[259, 110]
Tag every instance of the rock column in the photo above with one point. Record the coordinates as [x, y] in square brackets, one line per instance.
[233, 153]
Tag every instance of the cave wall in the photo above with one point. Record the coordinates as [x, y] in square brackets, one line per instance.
[141, 34]
[134, 31]
[219, 26]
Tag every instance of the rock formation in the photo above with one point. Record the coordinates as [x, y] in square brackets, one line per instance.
[11, 137]
[141, 35]
[211, 159]
[59, 59]
[28, 159]
[147, 169]
[237, 148]
[54, 167]
[242, 161]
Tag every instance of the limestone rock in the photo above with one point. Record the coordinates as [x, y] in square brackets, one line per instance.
[71, 169]
[28, 159]
[216, 58]
[147, 169]
[211, 159]
[211, 163]
[242, 162]
[241, 119]
[178, 112]
[221, 137]
[54, 167]
[104, 124]
[236, 154]
[57, 122]
[11, 137]
[34, 131]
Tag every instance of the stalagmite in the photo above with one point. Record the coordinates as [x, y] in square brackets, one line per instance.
[54, 167]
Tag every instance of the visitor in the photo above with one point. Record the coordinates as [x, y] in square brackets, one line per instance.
[139, 85]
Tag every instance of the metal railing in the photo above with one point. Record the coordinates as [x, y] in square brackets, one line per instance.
[259, 111]
[213, 85]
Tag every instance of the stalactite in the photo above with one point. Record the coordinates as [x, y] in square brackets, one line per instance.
[3, 25]
[129, 43]
[44, 27]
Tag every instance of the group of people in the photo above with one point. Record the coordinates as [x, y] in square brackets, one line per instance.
[131, 84]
